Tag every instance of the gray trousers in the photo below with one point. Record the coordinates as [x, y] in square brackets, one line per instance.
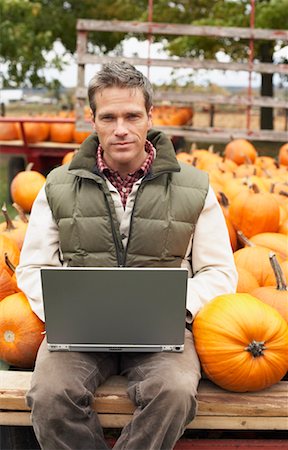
[162, 385]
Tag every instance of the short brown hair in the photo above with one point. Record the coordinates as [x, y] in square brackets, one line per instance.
[119, 74]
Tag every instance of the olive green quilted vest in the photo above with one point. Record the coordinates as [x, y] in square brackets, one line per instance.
[167, 206]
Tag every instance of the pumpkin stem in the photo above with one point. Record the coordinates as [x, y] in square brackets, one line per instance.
[256, 348]
[194, 161]
[9, 223]
[9, 263]
[283, 193]
[21, 213]
[254, 188]
[244, 240]
[29, 167]
[223, 200]
[278, 272]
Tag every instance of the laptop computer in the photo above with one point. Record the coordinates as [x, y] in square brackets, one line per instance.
[114, 309]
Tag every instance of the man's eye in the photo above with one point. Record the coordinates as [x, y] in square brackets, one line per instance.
[107, 118]
[133, 116]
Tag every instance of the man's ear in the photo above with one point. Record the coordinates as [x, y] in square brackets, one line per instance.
[92, 118]
[150, 115]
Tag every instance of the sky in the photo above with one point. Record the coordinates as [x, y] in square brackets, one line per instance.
[157, 75]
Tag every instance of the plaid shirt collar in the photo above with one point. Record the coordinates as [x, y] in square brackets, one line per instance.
[124, 186]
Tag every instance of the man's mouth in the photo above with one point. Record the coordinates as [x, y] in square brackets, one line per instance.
[122, 143]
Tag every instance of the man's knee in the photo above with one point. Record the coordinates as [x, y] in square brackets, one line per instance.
[177, 393]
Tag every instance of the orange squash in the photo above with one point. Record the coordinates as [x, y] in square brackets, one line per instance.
[8, 248]
[247, 282]
[241, 342]
[277, 295]
[240, 151]
[8, 285]
[8, 131]
[80, 136]
[254, 212]
[270, 280]
[21, 331]
[283, 154]
[61, 132]
[14, 229]
[276, 242]
[256, 261]
[36, 131]
[25, 187]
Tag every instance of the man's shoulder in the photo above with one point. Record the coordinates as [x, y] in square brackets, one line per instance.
[191, 175]
[59, 175]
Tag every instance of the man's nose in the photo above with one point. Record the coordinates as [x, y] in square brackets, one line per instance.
[120, 128]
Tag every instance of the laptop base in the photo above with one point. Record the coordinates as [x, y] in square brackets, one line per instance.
[114, 348]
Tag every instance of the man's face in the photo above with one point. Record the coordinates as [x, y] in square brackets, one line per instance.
[121, 122]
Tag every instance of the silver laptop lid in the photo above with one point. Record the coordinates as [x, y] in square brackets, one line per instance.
[115, 309]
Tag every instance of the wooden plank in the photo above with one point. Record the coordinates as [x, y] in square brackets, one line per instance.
[43, 145]
[112, 397]
[19, 418]
[213, 135]
[187, 97]
[184, 63]
[230, 444]
[223, 135]
[180, 29]
[238, 100]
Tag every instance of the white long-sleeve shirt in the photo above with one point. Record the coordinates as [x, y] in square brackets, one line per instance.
[209, 252]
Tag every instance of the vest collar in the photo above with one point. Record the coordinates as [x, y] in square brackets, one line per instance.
[83, 163]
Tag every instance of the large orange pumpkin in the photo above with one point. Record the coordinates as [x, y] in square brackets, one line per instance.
[61, 132]
[247, 282]
[25, 187]
[256, 261]
[8, 131]
[277, 295]
[21, 332]
[253, 212]
[241, 342]
[14, 229]
[80, 136]
[8, 248]
[275, 241]
[36, 131]
[240, 151]
[8, 284]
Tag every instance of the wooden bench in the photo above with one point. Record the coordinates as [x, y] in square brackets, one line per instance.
[218, 409]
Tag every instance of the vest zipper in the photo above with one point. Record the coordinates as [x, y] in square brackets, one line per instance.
[119, 252]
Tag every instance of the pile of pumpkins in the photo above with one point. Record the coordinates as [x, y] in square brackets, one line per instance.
[45, 131]
[241, 338]
[66, 132]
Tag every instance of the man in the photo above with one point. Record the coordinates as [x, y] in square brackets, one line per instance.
[124, 200]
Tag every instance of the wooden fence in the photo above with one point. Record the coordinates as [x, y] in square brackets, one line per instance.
[152, 28]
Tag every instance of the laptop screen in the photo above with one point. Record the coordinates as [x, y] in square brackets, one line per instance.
[95, 309]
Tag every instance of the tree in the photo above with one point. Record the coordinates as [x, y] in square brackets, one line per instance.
[29, 29]
[270, 14]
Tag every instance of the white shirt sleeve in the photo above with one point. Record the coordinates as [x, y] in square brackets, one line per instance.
[211, 257]
[40, 249]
